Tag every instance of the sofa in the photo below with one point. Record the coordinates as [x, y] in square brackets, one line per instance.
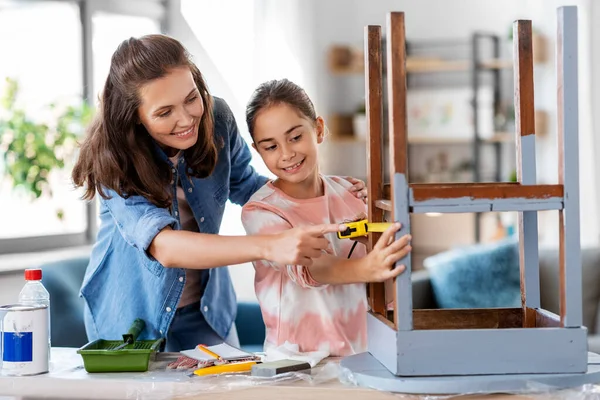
[425, 297]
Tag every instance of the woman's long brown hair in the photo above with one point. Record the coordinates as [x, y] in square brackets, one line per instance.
[118, 153]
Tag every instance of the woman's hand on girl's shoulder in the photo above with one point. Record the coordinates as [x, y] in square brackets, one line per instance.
[359, 189]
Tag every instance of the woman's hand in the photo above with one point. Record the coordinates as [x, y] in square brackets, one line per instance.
[358, 188]
[378, 265]
[298, 246]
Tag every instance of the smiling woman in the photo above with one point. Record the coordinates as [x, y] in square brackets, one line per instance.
[171, 112]
[165, 156]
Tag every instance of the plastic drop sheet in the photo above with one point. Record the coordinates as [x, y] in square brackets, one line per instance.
[531, 391]
[68, 379]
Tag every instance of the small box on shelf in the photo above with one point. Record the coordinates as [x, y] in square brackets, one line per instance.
[345, 59]
[340, 127]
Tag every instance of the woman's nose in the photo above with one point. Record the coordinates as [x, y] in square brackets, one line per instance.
[184, 118]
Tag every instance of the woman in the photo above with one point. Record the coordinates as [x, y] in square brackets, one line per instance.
[164, 156]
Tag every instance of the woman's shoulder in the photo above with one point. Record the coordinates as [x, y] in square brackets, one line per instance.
[221, 110]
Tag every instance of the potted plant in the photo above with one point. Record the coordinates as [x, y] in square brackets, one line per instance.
[32, 149]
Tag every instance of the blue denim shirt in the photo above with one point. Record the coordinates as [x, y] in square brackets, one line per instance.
[123, 282]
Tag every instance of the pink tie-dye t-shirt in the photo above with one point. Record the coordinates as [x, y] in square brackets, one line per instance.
[294, 306]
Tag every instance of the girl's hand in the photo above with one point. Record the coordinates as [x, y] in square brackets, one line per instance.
[298, 246]
[378, 265]
[358, 188]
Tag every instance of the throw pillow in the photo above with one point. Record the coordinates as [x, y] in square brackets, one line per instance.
[477, 276]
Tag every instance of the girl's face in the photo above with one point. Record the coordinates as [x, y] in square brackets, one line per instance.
[171, 109]
[287, 142]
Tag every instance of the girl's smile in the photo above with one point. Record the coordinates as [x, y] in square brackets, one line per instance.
[294, 168]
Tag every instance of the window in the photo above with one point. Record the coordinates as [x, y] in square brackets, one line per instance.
[47, 73]
[62, 61]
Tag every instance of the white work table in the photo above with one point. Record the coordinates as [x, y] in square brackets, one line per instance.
[68, 379]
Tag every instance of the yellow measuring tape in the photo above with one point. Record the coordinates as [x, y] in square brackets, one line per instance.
[361, 228]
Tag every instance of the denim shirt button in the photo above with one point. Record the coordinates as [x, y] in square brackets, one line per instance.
[189, 190]
[205, 308]
[181, 279]
[168, 309]
[173, 170]
[176, 213]
[202, 219]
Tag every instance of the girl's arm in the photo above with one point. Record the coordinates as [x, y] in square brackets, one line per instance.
[183, 249]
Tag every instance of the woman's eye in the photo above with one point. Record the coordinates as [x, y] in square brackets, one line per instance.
[192, 99]
[164, 114]
[296, 138]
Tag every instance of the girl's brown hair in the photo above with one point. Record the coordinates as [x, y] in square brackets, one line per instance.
[276, 92]
[118, 153]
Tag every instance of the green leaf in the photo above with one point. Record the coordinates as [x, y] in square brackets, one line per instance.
[34, 149]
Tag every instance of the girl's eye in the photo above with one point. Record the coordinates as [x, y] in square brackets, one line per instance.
[164, 114]
[270, 148]
[192, 99]
[296, 138]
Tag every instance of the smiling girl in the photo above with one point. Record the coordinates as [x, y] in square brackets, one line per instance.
[321, 306]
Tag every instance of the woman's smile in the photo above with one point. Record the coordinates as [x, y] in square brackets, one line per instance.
[185, 134]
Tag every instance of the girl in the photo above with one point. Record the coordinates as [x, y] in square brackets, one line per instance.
[321, 306]
[165, 156]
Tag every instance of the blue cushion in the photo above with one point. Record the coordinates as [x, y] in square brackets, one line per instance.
[63, 279]
[250, 326]
[478, 276]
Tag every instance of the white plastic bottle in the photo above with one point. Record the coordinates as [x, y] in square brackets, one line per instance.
[34, 293]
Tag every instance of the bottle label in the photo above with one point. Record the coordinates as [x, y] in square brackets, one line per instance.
[18, 346]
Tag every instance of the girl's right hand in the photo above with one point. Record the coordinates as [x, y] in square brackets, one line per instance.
[378, 265]
[298, 246]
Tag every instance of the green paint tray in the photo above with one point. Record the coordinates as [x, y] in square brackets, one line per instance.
[127, 355]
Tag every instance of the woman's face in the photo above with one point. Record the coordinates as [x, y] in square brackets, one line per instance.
[171, 109]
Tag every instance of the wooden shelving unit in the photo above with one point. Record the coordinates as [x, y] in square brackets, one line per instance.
[427, 65]
[481, 64]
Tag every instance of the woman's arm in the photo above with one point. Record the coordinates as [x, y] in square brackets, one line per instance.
[183, 249]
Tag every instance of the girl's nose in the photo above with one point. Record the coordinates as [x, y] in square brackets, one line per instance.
[287, 152]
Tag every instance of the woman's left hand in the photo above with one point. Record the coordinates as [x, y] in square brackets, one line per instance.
[358, 188]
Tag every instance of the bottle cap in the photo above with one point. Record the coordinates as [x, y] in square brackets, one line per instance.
[33, 274]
